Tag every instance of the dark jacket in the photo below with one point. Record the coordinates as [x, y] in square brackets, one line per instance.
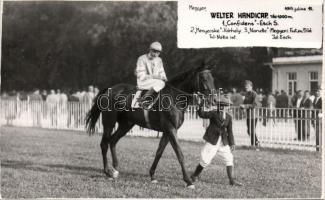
[318, 104]
[297, 113]
[282, 101]
[218, 126]
[306, 104]
[251, 101]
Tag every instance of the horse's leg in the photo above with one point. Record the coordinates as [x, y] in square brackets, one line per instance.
[174, 142]
[162, 144]
[108, 121]
[104, 146]
[122, 130]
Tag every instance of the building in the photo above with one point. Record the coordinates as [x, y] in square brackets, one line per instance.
[296, 73]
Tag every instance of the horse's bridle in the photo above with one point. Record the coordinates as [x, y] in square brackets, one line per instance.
[198, 79]
[198, 93]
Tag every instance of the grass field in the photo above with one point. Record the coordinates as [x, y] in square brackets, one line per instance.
[48, 163]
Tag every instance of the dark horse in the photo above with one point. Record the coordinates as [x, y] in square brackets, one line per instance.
[177, 93]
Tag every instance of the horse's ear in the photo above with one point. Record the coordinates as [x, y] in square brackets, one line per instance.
[205, 65]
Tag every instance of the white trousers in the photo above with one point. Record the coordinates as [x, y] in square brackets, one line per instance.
[155, 84]
[209, 151]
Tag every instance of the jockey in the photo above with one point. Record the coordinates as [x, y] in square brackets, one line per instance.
[150, 71]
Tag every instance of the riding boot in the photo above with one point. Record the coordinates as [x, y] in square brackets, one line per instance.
[231, 178]
[196, 173]
[149, 98]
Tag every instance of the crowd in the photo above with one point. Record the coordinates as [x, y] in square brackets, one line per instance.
[54, 96]
[268, 99]
[271, 106]
[303, 107]
[265, 99]
[52, 105]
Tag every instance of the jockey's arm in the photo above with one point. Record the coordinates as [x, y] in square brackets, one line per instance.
[162, 73]
[160, 77]
[141, 72]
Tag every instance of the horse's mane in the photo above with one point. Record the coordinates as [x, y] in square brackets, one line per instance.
[180, 77]
[184, 80]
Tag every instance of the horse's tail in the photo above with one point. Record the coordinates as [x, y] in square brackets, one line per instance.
[94, 113]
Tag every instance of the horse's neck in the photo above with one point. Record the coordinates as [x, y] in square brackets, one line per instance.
[184, 86]
[181, 94]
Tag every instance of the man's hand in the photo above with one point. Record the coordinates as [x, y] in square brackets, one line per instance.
[158, 77]
[155, 76]
[232, 147]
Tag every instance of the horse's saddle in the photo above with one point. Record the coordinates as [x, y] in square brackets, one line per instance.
[138, 100]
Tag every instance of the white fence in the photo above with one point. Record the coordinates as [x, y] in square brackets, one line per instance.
[275, 128]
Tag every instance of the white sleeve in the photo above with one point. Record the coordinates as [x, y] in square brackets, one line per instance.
[162, 70]
[141, 71]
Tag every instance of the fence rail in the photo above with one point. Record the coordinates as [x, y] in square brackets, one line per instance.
[289, 128]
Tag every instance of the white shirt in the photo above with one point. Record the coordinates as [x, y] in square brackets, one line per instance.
[312, 98]
[299, 100]
[146, 67]
[63, 98]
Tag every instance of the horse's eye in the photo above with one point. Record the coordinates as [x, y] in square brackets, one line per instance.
[204, 78]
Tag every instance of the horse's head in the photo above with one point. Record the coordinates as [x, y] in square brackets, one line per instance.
[196, 80]
[205, 82]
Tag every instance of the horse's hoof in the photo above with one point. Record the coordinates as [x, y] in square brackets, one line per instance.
[115, 173]
[154, 181]
[192, 187]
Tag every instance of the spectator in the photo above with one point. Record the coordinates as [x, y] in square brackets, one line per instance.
[318, 116]
[88, 96]
[72, 109]
[297, 114]
[306, 114]
[4, 95]
[270, 101]
[282, 102]
[58, 94]
[96, 91]
[87, 99]
[250, 103]
[260, 97]
[52, 104]
[79, 95]
[312, 97]
[9, 102]
[44, 107]
[82, 93]
[44, 95]
[63, 102]
[270, 105]
[35, 96]
[237, 99]
[35, 104]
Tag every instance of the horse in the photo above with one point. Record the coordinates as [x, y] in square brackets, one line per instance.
[177, 93]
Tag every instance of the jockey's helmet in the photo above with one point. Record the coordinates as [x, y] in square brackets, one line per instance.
[156, 46]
